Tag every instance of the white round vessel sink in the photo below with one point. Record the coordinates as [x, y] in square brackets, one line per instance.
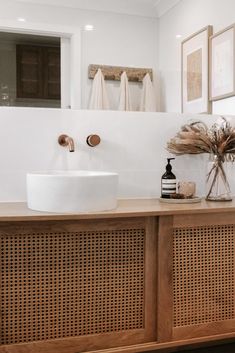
[72, 191]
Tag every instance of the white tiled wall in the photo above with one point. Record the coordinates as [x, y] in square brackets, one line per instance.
[184, 19]
[133, 144]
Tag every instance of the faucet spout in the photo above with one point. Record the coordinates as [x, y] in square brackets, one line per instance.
[70, 144]
[66, 141]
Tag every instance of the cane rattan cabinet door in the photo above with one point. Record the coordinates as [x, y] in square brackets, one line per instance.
[77, 286]
[203, 278]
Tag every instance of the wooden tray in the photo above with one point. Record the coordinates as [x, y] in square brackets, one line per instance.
[195, 199]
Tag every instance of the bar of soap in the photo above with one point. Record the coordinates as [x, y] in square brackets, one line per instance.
[177, 196]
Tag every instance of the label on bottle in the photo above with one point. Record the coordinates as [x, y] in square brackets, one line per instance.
[168, 186]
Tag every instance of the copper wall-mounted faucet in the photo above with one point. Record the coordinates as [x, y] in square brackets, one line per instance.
[93, 140]
[65, 140]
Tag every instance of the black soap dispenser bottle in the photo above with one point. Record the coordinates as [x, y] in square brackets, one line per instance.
[168, 186]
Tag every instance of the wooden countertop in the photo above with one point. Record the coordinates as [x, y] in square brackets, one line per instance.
[17, 211]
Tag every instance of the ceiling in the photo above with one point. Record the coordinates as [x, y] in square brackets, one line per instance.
[149, 8]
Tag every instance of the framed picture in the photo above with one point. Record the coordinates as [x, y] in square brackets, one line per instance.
[195, 72]
[222, 65]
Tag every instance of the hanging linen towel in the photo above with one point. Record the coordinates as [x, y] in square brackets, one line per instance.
[125, 97]
[148, 100]
[99, 98]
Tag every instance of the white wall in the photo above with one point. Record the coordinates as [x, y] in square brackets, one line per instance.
[186, 18]
[117, 39]
[133, 144]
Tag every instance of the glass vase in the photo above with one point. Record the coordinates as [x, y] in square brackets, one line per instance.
[218, 188]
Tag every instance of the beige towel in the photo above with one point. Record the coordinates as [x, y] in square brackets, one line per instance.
[125, 97]
[148, 100]
[99, 98]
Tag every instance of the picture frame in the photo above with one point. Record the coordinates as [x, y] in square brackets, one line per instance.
[195, 72]
[222, 64]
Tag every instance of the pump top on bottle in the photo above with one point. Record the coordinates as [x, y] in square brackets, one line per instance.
[168, 185]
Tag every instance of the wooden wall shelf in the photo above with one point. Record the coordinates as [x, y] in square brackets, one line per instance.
[113, 73]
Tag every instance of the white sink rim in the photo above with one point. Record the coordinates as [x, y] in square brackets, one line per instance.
[73, 173]
[76, 191]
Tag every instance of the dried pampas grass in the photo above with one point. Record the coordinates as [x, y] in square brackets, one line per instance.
[196, 138]
[219, 140]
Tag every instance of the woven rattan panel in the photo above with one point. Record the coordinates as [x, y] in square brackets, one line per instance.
[203, 275]
[57, 285]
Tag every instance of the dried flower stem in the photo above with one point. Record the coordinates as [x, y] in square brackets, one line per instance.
[218, 170]
[197, 138]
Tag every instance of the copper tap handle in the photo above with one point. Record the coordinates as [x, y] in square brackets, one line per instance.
[93, 140]
[62, 140]
[65, 140]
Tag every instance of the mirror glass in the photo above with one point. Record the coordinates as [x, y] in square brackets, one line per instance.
[29, 70]
[134, 33]
[111, 33]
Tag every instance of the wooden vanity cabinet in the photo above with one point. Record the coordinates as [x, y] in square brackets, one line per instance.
[117, 285]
